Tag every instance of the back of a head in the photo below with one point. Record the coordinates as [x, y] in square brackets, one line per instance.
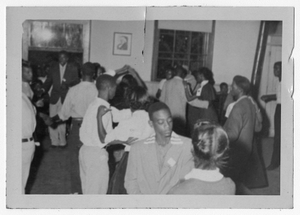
[243, 83]
[210, 143]
[105, 81]
[139, 99]
[130, 80]
[223, 84]
[180, 71]
[157, 106]
[88, 69]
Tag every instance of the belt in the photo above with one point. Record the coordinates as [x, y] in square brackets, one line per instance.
[77, 119]
[25, 140]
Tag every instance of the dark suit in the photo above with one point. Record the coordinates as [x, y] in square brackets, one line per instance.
[53, 79]
[58, 95]
[244, 162]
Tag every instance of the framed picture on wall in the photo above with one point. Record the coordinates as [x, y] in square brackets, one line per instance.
[122, 44]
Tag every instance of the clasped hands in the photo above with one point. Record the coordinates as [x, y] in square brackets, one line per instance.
[48, 120]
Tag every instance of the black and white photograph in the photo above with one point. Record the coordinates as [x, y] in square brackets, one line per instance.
[150, 107]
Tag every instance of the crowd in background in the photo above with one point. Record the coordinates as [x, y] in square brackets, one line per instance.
[185, 139]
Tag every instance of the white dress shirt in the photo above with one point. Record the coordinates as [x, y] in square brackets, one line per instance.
[62, 70]
[27, 89]
[89, 128]
[28, 117]
[78, 100]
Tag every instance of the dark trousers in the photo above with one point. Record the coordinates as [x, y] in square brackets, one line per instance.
[116, 184]
[73, 147]
[275, 161]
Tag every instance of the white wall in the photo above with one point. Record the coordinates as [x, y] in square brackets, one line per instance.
[234, 49]
[102, 33]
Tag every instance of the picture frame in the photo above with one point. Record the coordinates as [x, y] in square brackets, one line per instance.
[122, 43]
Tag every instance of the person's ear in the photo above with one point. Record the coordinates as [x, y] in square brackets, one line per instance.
[150, 123]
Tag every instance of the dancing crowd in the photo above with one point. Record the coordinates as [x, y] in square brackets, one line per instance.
[185, 139]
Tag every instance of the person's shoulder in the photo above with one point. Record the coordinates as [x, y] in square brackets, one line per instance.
[185, 140]
[229, 184]
[141, 144]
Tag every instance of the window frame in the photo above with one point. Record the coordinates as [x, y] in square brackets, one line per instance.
[209, 38]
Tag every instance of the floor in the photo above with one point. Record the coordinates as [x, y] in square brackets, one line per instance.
[50, 168]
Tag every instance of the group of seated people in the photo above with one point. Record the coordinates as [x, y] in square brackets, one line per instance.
[129, 142]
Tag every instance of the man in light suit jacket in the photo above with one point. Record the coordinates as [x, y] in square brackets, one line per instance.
[156, 164]
[61, 77]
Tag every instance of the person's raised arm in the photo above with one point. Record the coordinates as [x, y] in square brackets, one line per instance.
[137, 77]
[121, 71]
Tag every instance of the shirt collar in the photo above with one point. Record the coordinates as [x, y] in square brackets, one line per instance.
[175, 139]
[177, 77]
[204, 83]
[204, 175]
[102, 102]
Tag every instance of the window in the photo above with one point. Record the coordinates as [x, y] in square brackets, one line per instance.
[175, 47]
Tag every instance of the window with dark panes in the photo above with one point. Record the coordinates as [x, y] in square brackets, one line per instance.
[181, 48]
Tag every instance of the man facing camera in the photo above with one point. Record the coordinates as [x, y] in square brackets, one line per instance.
[61, 77]
[157, 163]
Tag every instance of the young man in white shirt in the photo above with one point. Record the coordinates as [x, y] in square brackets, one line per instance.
[93, 157]
[28, 127]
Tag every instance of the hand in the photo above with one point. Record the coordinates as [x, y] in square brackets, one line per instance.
[40, 103]
[265, 98]
[64, 85]
[40, 92]
[102, 110]
[47, 120]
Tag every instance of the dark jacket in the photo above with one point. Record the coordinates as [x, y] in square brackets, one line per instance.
[71, 76]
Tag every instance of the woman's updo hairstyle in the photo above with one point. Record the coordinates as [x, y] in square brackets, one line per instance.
[210, 145]
[139, 99]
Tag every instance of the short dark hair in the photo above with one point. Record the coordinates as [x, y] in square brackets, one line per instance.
[207, 73]
[103, 81]
[26, 64]
[88, 69]
[210, 145]
[243, 83]
[180, 71]
[156, 107]
[223, 84]
[278, 63]
[63, 52]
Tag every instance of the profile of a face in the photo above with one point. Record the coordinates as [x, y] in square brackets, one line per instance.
[277, 70]
[169, 74]
[234, 90]
[26, 74]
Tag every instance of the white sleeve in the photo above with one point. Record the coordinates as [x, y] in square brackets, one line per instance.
[199, 103]
[121, 132]
[120, 115]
